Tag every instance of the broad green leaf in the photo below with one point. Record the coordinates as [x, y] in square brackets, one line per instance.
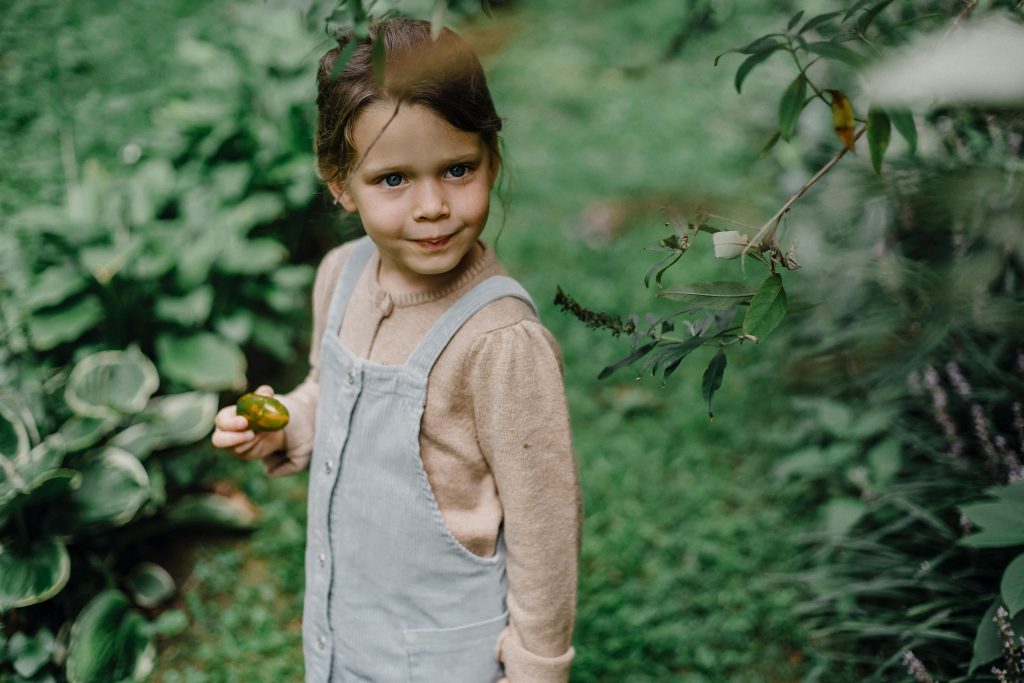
[1011, 587]
[226, 511]
[170, 623]
[32, 574]
[903, 122]
[203, 361]
[988, 645]
[150, 585]
[110, 383]
[885, 460]
[879, 131]
[137, 439]
[114, 486]
[842, 514]
[767, 308]
[14, 443]
[53, 286]
[636, 355]
[715, 295]
[29, 655]
[793, 101]
[80, 432]
[835, 52]
[39, 491]
[712, 380]
[274, 338]
[50, 327]
[188, 311]
[110, 641]
[252, 256]
[180, 419]
[1000, 523]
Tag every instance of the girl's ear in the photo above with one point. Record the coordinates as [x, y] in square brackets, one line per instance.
[342, 196]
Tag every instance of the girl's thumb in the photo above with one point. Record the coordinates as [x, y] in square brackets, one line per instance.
[264, 390]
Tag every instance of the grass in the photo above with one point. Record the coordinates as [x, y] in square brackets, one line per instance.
[685, 536]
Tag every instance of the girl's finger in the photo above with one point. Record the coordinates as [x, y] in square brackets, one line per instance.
[264, 390]
[231, 439]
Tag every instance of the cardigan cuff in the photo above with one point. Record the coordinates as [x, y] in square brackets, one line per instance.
[523, 666]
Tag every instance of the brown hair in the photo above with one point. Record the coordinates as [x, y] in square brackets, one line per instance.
[443, 75]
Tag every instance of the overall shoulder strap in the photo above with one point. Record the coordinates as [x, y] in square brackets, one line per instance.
[493, 288]
[347, 281]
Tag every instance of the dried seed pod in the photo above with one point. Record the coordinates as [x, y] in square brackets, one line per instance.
[265, 413]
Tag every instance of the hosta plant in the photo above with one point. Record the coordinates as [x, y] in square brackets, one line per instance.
[81, 481]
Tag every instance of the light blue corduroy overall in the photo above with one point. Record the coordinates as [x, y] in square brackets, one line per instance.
[391, 595]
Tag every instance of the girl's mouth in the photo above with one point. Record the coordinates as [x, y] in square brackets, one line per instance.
[434, 244]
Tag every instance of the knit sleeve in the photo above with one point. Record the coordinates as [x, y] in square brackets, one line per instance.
[523, 429]
[301, 401]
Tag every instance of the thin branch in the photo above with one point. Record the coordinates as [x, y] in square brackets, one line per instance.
[773, 222]
[968, 8]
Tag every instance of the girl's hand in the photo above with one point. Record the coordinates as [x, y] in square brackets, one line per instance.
[231, 432]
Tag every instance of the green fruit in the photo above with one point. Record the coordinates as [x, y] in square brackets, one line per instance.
[265, 414]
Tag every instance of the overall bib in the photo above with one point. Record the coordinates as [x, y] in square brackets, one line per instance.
[391, 596]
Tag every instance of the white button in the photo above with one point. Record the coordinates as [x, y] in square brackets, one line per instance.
[321, 642]
[328, 467]
[322, 559]
[351, 376]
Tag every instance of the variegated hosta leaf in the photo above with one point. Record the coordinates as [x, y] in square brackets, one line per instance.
[48, 486]
[110, 641]
[181, 419]
[80, 432]
[14, 442]
[150, 585]
[111, 383]
[114, 486]
[32, 574]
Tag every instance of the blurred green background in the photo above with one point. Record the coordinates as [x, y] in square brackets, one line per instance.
[157, 190]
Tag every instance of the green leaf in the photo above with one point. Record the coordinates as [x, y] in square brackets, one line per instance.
[1011, 587]
[53, 286]
[794, 20]
[169, 623]
[712, 381]
[750, 62]
[879, 132]
[115, 486]
[211, 509]
[251, 257]
[1000, 522]
[39, 492]
[885, 460]
[842, 514]
[342, 59]
[767, 42]
[636, 355]
[14, 443]
[188, 311]
[50, 327]
[379, 57]
[868, 17]
[180, 419]
[816, 21]
[715, 295]
[767, 308]
[111, 383]
[110, 641]
[31, 654]
[793, 101]
[32, 574]
[903, 122]
[80, 432]
[988, 645]
[835, 52]
[770, 145]
[203, 361]
[660, 267]
[150, 585]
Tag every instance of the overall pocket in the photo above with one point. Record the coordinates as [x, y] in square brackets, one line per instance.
[467, 654]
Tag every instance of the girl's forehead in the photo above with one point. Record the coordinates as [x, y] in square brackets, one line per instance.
[387, 135]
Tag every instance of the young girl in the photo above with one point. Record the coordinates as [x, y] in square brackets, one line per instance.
[444, 503]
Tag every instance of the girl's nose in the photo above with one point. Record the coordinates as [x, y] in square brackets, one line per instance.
[431, 203]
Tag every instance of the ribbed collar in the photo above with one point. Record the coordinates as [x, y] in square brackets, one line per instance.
[386, 301]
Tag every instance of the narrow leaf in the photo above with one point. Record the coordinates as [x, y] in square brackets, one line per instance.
[793, 101]
[767, 308]
[749, 63]
[835, 52]
[767, 42]
[794, 20]
[1011, 588]
[636, 355]
[714, 295]
[879, 132]
[816, 21]
[843, 118]
[713, 379]
[868, 17]
[853, 10]
[342, 59]
[485, 5]
[769, 146]
[380, 59]
[660, 267]
[903, 122]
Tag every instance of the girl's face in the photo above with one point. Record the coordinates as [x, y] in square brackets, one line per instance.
[422, 189]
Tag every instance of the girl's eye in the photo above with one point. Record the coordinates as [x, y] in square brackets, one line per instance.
[458, 170]
[392, 180]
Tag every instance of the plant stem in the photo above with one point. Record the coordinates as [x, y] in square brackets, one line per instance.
[803, 72]
[971, 4]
